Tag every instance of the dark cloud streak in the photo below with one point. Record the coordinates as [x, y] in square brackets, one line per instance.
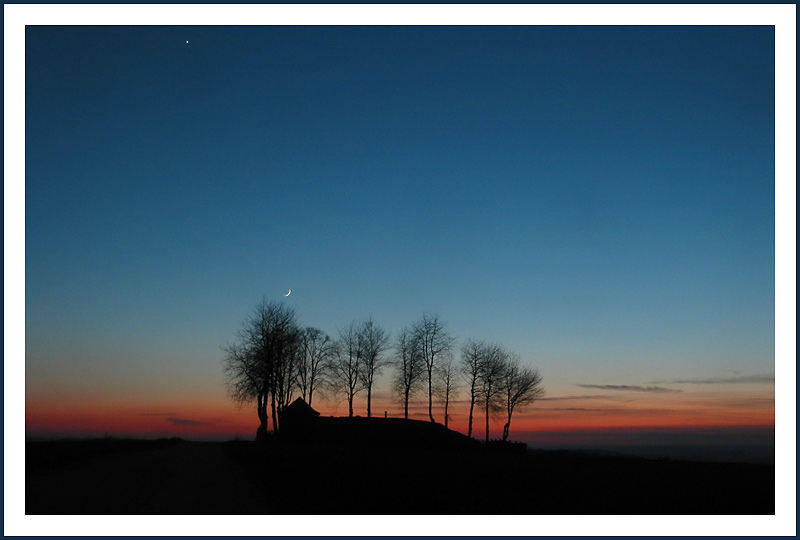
[184, 422]
[610, 410]
[632, 388]
[744, 379]
[583, 397]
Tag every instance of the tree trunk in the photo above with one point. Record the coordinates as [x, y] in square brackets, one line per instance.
[405, 405]
[275, 425]
[263, 417]
[446, 405]
[487, 420]
[430, 396]
[350, 405]
[369, 401]
[471, 407]
[310, 395]
[505, 428]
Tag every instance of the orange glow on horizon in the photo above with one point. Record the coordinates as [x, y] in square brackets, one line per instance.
[220, 418]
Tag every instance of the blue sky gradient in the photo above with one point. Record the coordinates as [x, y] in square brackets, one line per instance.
[598, 199]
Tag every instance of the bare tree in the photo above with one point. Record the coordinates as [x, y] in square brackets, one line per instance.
[435, 343]
[284, 380]
[408, 367]
[472, 354]
[345, 365]
[372, 342]
[490, 377]
[246, 379]
[446, 384]
[314, 355]
[521, 386]
[261, 364]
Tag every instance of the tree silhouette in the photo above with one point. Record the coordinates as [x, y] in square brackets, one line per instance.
[490, 376]
[520, 387]
[472, 354]
[372, 342]
[435, 343]
[446, 385]
[314, 355]
[408, 367]
[285, 372]
[260, 365]
[246, 378]
[345, 364]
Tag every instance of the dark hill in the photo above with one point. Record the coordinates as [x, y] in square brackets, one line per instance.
[394, 466]
[375, 432]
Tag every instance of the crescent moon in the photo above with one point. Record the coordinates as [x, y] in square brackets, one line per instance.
[288, 293]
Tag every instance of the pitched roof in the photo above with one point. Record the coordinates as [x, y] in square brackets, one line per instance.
[300, 408]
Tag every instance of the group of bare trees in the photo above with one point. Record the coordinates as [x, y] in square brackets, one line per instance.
[493, 376]
[272, 359]
[261, 365]
[275, 360]
[357, 357]
[423, 350]
[497, 382]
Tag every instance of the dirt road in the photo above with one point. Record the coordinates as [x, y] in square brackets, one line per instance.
[188, 478]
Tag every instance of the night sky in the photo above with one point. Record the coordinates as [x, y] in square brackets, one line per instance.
[600, 200]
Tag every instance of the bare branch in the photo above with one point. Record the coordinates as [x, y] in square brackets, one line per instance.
[435, 343]
[521, 387]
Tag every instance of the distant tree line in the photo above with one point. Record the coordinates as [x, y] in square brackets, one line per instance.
[274, 360]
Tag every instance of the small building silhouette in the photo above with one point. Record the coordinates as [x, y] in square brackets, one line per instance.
[298, 418]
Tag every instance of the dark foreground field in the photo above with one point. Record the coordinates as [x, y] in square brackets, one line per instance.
[356, 480]
[280, 477]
